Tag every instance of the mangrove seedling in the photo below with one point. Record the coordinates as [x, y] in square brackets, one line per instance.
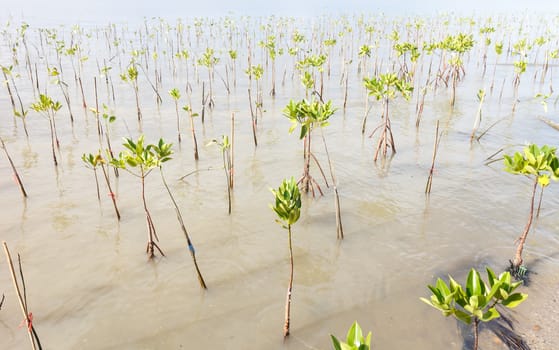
[176, 95]
[540, 164]
[386, 87]
[476, 301]
[306, 115]
[163, 153]
[191, 116]
[209, 61]
[457, 45]
[93, 161]
[287, 207]
[141, 157]
[225, 147]
[48, 108]
[130, 76]
[477, 121]
[354, 339]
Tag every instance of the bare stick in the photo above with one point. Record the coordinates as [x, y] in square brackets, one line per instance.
[22, 303]
[432, 170]
[16, 174]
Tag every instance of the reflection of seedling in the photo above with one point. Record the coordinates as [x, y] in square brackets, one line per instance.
[142, 157]
[477, 121]
[477, 301]
[354, 340]
[543, 100]
[542, 165]
[48, 108]
[287, 206]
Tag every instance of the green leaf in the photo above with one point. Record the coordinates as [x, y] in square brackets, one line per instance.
[490, 314]
[514, 300]
[336, 343]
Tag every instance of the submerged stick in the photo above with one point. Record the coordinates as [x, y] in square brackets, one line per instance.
[432, 170]
[183, 227]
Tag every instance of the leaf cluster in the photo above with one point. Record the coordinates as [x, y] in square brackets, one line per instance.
[387, 86]
[145, 157]
[308, 114]
[478, 299]
[287, 204]
[540, 162]
[354, 340]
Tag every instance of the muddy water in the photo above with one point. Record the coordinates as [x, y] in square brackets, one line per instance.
[90, 285]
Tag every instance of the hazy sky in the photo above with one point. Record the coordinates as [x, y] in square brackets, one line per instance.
[104, 11]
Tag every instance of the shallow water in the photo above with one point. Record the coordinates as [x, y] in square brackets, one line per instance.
[90, 285]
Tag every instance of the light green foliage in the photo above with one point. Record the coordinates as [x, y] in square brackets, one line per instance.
[208, 59]
[315, 61]
[365, 50]
[478, 299]
[175, 94]
[354, 340]
[287, 204]
[404, 48]
[131, 74]
[307, 114]
[540, 162]
[255, 72]
[46, 105]
[387, 86]
[92, 161]
[499, 48]
[459, 43]
[144, 157]
[520, 66]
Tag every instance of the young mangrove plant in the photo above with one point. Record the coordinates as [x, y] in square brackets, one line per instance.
[94, 161]
[176, 95]
[307, 115]
[144, 159]
[477, 301]
[287, 207]
[191, 116]
[131, 77]
[541, 165]
[22, 112]
[48, 108]
[386, 87]
[354, 339]
[225, 147]
[209, 61]
[163, 153]
[457, 46]
[477, 120]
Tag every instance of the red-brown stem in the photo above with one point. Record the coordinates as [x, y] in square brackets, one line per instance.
[522, 239]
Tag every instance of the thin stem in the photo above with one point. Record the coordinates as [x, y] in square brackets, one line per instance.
[522, 239]
[289, 288]
[183, 227]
